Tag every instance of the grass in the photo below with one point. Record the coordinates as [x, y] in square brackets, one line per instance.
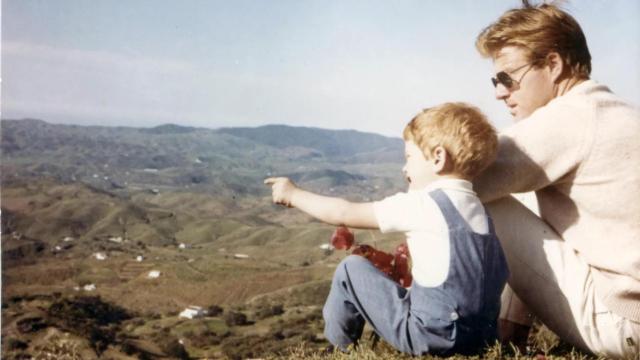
[58, 348]
[543, 347]
[295, 333]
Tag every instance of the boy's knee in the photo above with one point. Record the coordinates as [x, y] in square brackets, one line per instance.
[353, 261]
[347, 266]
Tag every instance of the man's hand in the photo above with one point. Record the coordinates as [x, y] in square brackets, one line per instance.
[282, 190]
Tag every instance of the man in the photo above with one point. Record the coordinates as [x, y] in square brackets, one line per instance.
[577, 145]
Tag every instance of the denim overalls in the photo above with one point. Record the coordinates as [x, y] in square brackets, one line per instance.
[458, 316]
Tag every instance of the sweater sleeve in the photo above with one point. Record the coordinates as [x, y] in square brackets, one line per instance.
[543, 149]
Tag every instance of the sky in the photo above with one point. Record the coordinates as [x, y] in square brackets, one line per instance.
[338, 64]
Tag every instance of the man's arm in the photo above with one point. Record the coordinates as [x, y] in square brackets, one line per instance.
[331, 210]
[513, 171]
[536, 152]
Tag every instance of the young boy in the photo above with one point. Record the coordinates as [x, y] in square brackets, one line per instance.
[458, 268]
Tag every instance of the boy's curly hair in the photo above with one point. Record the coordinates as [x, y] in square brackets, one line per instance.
[462, 130]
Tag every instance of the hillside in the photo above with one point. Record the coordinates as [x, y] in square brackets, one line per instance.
[81, 204]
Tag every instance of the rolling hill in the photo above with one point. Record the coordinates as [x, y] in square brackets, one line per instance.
[224, 161]
[81, 204]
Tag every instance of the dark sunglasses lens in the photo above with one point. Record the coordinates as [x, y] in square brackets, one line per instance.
[505, 79]
[494, 81]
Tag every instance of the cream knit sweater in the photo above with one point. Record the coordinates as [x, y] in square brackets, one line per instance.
[581, 155]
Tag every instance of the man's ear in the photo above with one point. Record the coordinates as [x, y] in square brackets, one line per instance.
[441, 160]
[556, 66]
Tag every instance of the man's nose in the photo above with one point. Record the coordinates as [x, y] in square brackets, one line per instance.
[501, 92]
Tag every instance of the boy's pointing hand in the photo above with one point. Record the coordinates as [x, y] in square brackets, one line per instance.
[282, 190]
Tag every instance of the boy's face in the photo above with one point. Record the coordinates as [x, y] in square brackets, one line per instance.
[418, 170]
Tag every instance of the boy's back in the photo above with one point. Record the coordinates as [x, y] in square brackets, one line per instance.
[417, 215]
[459, 269]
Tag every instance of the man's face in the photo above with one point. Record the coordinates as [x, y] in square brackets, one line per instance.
[532, 87]
[418, 170]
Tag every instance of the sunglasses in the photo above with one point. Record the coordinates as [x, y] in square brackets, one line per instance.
[505, 79]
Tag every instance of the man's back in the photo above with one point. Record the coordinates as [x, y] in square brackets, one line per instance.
[581, 155]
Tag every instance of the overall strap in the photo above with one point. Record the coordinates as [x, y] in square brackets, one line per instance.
[451, 214]
[492, 229]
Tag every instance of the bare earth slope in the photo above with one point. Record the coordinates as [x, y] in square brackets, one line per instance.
[82, 205]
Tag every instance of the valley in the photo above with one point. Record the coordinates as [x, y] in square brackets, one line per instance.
[89, 213]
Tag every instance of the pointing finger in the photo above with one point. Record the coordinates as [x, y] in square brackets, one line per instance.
[270, 181]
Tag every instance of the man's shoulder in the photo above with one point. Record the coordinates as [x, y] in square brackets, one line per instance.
[590, 95]
[567, 111]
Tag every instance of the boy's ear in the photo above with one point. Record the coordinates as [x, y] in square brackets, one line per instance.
[441, 160]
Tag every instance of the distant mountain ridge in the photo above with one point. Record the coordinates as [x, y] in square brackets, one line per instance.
[169, 129]
[226, 160]
[329, 142]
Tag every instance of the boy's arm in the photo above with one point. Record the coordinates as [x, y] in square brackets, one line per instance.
[327, 209]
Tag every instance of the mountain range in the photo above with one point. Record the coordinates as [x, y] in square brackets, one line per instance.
[227, 160]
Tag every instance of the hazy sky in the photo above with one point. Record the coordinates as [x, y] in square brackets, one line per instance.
[365, 65]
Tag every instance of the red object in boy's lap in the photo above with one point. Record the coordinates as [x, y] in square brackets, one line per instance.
[379, 259]
[342, 238]
[395, 266]
[401, 271]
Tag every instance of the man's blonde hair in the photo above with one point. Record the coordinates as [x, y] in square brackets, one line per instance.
[539, 30]
[462, 130]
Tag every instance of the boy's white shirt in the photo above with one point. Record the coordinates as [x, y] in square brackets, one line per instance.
[419, 217]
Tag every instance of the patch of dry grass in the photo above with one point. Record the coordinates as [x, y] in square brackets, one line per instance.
[543, 345]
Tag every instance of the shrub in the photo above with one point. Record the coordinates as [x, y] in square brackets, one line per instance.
[83, 309]
[175, 349]
[31, 324]
[90, 317]
[16, 344]
[269, 311]
[214, 310]
[204, 339]
[233, 318]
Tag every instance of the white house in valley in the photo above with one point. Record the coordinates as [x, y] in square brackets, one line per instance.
[192, 312]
